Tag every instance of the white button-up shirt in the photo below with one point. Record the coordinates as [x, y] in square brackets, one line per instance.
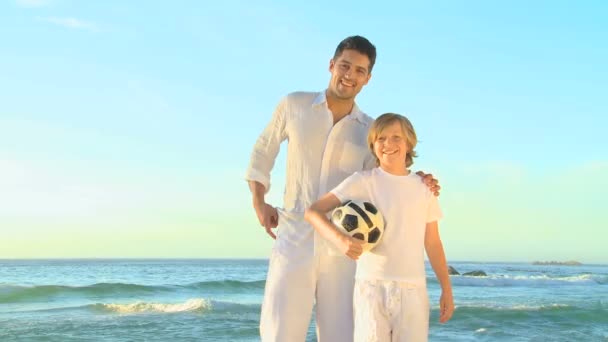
[320, 155]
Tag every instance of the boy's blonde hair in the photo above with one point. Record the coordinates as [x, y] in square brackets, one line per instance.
[386, 120]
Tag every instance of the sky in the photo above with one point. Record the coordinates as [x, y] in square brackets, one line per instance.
[126, 127]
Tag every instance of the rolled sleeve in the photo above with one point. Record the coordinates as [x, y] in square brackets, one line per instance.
[257, 176]
[267, 147]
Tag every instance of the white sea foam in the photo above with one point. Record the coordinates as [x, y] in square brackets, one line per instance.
[196, 304]
[518, 307]
[535, 280]
[539, 307]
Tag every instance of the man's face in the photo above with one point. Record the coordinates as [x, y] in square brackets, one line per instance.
[349, 73]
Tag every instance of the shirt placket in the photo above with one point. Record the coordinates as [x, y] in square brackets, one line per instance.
[327, 163]
[328, 154]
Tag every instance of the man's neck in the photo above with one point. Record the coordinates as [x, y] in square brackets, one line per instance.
[339, 108]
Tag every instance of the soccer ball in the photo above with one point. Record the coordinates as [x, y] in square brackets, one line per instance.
[361, 220]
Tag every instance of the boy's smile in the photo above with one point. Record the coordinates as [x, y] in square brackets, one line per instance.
[391, 148]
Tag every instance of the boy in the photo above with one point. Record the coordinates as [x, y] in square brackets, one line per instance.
[390, 297]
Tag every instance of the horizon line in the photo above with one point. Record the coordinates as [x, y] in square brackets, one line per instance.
[548, 262]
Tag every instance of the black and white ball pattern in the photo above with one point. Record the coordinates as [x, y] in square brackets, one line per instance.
[361, 220]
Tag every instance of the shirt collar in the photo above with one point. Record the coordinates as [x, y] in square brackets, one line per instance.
[355, 114]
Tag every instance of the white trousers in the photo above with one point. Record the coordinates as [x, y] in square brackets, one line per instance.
[292, 287]
[390, 311]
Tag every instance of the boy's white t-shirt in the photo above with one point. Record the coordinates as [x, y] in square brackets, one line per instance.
[407, 205]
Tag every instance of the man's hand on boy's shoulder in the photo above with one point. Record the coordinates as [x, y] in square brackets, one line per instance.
[432, 183]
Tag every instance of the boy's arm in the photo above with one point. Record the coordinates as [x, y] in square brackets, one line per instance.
[436, 255]
[316, 215]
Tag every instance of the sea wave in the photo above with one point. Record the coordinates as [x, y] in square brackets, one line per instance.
[191, 305]
[227, 284]
[199, 305]
[528, 281]
[596, 313]
[20, 293]
[517, 307]
[194, 305]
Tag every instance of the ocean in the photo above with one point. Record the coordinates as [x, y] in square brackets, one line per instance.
[219, 300]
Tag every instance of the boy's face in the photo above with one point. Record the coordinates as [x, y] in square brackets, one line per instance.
[391, 147]
[349, 73]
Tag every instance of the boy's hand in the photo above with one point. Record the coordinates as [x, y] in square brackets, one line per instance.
[267, 215]
[350, 246]
[431, 182]
[446, 307]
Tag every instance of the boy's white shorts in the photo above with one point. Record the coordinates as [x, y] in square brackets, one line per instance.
[293, 284]
[390, 311]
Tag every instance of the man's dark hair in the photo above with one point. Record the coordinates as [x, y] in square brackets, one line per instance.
[359, 44]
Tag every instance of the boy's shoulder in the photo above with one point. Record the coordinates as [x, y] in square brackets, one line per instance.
[364, 174]
[411, 183]
[421, 188]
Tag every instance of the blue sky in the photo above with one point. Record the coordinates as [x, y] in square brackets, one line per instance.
[126, 127]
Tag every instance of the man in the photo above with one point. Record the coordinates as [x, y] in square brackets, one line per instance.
[327, 142]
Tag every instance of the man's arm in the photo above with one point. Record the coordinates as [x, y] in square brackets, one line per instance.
[436, 255]
[260, 165]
